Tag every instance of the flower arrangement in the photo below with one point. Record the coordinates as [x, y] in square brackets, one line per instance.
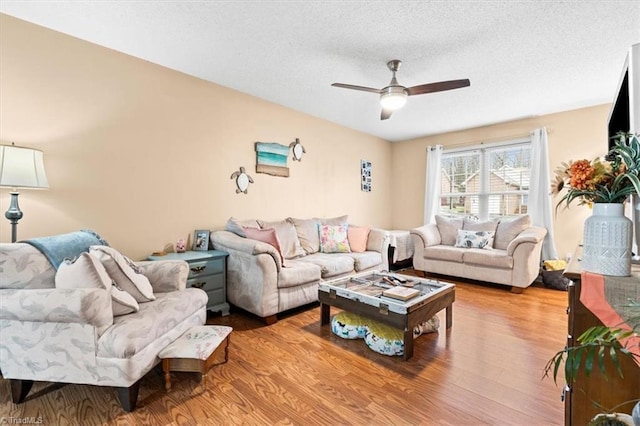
[608, 180]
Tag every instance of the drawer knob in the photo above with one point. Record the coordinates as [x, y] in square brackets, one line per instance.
[198, 285]
[565, 393]
[198, 269]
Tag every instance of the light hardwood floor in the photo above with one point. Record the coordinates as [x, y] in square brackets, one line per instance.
[486, 370]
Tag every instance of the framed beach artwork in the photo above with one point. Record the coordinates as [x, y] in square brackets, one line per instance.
[271, 158]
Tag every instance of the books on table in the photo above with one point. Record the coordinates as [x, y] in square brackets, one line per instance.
[401, 293]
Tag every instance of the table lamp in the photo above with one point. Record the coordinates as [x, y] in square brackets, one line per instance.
[20, 168]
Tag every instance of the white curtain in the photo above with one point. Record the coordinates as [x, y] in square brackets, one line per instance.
[432, 184]
[540, 206]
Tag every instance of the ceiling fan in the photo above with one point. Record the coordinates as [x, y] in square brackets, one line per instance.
[394, 96]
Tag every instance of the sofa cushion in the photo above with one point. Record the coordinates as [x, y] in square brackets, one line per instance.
[268, 236]
[339, 220]
[289, 242]
[474, 239]
[474, 225]
[366, 260]
[334, 239]
[235, 225]
[448, 229]
[130, 334]
[124, 272]
[297, 273]
[88, 272]
[331, 264]
[307, 230]
[358, 236]
[508, 229]
[489, 258]
[442, 252]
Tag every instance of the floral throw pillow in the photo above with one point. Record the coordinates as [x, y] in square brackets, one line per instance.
[474, 239]
[334, 239]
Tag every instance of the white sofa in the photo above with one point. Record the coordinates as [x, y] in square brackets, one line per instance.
[513, 259]
[260, 282]
[70, 335]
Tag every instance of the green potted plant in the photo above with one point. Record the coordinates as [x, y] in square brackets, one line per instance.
[596, 345]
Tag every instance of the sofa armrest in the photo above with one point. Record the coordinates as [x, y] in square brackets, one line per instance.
[534, 235]
[378, 240]
[228, 241]
[81, 305]
[253, 268]
[526, 249]
[165, 275]
[428, 235]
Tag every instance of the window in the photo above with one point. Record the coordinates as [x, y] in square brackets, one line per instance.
[486, 181]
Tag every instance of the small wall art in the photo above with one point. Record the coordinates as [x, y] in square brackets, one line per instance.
[297, 150]
[365, 170]
[271, 158]
[242, 180]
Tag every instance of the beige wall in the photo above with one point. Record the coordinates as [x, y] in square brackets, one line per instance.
[575, 134]
[144, 155]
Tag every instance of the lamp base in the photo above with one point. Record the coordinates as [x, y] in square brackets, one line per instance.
[14, 214]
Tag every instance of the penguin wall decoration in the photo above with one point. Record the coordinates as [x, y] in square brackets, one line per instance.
[242, 180]
[297, 149]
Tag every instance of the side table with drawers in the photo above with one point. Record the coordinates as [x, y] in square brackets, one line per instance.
[208, 271]
[611, 391]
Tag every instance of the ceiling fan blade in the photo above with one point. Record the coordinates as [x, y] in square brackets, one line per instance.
[438, 87]
[361, 88]
[385, 113]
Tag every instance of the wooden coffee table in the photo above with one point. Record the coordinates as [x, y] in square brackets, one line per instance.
[361, 294]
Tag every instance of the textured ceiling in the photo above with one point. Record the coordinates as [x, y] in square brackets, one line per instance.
[524, 58]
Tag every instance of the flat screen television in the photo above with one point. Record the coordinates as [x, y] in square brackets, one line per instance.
[625, 110]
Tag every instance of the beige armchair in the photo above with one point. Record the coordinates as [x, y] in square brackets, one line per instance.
[71, 335]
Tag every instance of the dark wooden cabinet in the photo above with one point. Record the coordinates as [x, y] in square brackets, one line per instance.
[581, 394]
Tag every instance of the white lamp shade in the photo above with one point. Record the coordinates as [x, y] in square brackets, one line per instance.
[393, 97]
[22, 167]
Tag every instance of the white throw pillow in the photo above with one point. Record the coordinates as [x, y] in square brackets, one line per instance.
[474, 239]
[85, 271]
[122, 271]
[122, 302]
[88, 272]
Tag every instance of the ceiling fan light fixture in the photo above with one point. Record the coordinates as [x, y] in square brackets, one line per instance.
[393, 97]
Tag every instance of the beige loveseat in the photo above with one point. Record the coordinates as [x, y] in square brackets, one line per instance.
[76, 334]
[510, 256]
[266, 281]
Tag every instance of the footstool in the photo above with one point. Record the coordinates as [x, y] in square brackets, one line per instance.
[193, 351]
